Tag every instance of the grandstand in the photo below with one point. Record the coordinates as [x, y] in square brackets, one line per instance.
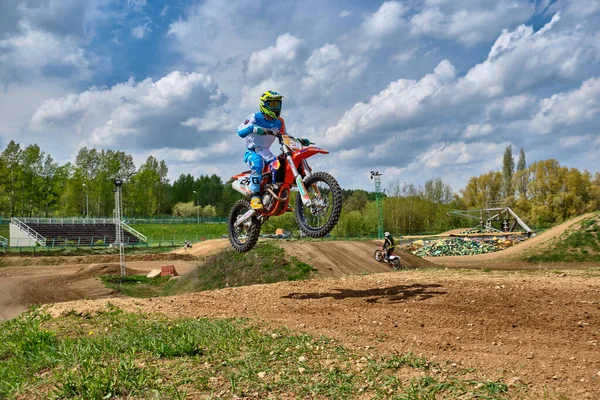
[52, 232]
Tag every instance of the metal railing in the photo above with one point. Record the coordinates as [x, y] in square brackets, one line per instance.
[68, 221]
[129, 229]
[3, 241]
[28, 230]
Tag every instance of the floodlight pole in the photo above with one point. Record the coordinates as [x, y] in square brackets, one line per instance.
[87, 203]
[376, 176]
[197, 207]
[118, 220]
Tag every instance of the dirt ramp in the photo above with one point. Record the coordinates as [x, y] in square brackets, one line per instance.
[336, 259]
[204, 248]
[515, 252]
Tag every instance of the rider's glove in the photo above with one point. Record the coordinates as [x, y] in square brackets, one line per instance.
[259, 131]
[304, 142]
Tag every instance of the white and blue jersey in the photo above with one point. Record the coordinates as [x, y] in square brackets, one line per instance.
[258, 146]
[260, 143]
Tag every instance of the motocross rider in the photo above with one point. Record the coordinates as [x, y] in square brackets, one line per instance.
[389, 245]
[255, 132]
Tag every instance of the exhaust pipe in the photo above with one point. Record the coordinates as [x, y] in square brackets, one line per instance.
[249, 214]
[275, 196]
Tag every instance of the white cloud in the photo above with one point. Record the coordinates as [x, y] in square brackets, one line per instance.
[476, 130]
[458, 153]
[146, 114]
[385, 21]
[399, 104]
[469, 22]
[141, 31]
[327, 68]
[345, 13]
[275, 60]
[565, 110]
[523, 58]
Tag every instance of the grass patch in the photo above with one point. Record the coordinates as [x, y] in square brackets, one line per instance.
[121, 355]
[136, 285]
[580, 245]
[5, 230]
[266, 263]
[178, 233]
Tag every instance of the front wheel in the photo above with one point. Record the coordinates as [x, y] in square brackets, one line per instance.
[243, 238]
[318, 219]
[378, 255]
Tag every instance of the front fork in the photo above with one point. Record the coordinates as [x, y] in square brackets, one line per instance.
[298, 178]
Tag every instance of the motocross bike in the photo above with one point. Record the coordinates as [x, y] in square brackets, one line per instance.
[393, 259]
[318, 203]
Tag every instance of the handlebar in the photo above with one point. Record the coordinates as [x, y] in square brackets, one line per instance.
[278, 135]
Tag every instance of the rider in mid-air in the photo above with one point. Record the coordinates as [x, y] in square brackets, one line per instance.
[254, 130]
[389, 245]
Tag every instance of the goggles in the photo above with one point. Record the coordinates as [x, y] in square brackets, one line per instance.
[273, 104]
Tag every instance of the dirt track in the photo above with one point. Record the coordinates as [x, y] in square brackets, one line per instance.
[541, 330]
[538, 328]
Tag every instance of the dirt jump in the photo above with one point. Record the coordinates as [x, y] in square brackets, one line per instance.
[336, 259]
[509, 259]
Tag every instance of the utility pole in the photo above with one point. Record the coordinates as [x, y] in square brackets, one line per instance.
[376, 176]
[197, 207]
[87, 202]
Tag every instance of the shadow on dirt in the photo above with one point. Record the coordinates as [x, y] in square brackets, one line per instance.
[393, 294]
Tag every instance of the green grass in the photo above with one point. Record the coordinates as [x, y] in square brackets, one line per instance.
[121, 355]
[266, 263]
[162, 233]
[136, 285]
[581, 245]
[4, 230]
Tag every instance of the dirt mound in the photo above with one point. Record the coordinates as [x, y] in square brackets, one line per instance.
[334, 259]
[205, 248]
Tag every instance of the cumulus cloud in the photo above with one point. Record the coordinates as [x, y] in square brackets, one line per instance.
[275, 60]
[386, 20]
[437, 119]
[467, 21]
[400, 104]
[135, 114]
[564, 110]
[327, 67]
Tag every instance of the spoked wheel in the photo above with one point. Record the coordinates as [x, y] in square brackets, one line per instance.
[378, 255]
[243, 238]
[395, 264]
[318, 219]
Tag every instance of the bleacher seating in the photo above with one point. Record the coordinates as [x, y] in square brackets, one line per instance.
[81, 234]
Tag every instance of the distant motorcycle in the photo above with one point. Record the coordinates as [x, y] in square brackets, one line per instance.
[393, 260]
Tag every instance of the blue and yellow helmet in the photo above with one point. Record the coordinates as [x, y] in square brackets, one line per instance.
[270, 104]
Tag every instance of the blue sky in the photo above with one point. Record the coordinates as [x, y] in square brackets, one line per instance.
[414, 89]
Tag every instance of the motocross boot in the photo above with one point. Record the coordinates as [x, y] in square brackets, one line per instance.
[256, 204]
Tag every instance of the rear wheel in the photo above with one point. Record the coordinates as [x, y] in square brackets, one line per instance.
[395, 264]
[378, 255]
[318, 219]
[243, 238]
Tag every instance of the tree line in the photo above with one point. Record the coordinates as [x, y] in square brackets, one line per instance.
[32, 184]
